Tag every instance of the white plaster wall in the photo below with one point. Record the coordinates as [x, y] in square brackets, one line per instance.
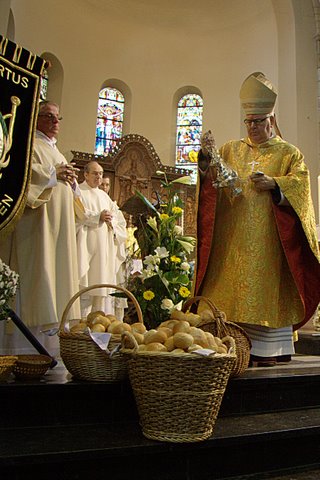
[155, 49]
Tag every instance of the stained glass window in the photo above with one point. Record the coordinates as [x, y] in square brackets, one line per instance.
[109, 120]
[44, 85]
[189, 129]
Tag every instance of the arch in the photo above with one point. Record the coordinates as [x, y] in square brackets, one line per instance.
[179, 93]
[188, 126]
[55, 77]
[126, 92]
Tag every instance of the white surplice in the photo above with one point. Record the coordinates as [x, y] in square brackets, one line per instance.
[43, 244]
[101, 248]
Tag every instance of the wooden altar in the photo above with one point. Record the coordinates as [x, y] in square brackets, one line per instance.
[132, 166]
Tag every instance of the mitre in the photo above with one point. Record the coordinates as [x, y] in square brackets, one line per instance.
[257, 95]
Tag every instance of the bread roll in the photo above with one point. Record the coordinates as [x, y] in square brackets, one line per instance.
[114, 325]
[78, 327]
[138, 327]
[142, 347]
[212, 341]
[97, 327]
[182, 340]
[92, 315]
[169, 344]
[139, 337]
[118, 327]
[153, 335]
[181, 326]
[193, 319]
[103, 320]
[111, 317]
[178, 350]
[199, 337]
[166, 330]
[194, 347]
[178, 315]
[206, 315]
[169, 323]
[155, 347]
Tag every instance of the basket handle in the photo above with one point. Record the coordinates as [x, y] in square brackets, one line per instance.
[219, 317]
[129, 336]
[93, 287]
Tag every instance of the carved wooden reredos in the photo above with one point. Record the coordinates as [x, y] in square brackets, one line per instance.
[132, 166]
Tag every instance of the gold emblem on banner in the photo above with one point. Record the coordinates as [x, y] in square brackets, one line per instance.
[6, 133]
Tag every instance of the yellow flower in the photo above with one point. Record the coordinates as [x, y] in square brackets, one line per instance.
[164, 216]
[148, 295]
[176, 210]
[184, 292]
[175, 259]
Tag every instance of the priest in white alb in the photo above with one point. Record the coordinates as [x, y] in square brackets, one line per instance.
[101, 239]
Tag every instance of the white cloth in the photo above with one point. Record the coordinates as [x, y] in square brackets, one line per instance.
[101, 249]
[43, 243]
[270, 342]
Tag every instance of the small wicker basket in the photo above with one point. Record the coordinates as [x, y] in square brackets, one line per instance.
[31, 366]
[7, 363]
[178, 396]
[83, 358]
[220, 327]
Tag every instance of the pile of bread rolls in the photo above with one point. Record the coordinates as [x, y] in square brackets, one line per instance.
[179, 334]
[101, 322]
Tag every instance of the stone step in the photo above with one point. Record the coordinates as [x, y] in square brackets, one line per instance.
[240, 445]
[58, 400]
[59, 428]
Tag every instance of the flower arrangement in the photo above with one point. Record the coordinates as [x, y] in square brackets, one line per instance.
[165, 280]
[8, 288]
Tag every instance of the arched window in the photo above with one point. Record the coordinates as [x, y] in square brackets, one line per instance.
[109, 120]
[189, 129]
[44, 85]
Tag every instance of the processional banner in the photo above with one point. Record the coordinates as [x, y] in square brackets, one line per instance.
[20, 81]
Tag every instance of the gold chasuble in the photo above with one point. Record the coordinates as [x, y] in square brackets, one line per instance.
[257, 261]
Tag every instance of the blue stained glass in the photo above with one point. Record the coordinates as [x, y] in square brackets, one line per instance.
[109, 120]
[189, 129]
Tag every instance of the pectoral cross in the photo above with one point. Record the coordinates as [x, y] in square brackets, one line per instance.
[253, 163]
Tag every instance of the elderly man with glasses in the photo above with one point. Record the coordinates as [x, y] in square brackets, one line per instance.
[101, 239]
[43, 249]
[258, 255]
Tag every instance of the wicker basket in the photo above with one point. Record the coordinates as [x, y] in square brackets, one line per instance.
[83, 358]
[31, 366]
[178, 396]
[7, 363]
[220, 327]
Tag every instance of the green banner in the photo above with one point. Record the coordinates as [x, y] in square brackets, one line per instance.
[20, 78]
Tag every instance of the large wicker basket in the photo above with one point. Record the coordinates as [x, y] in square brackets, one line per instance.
[178, 396]
[220, 327]
[80, 354]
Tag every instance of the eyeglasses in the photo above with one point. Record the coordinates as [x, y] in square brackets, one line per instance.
[255, 121]
[50, 116]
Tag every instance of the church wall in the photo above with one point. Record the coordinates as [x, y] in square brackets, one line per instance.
[155, 54]
[157, 48]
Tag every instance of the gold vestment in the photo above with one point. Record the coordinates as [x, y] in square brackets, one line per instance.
[248, 276]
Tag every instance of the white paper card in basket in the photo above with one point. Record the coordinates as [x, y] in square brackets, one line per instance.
[101, 339]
